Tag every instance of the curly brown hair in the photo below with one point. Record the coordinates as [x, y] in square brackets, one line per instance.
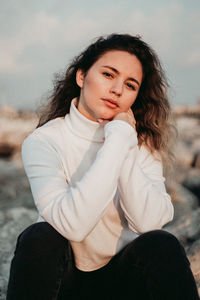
[152, 111]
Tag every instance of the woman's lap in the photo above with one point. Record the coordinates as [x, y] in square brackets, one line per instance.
[153, 266]
[44, 266]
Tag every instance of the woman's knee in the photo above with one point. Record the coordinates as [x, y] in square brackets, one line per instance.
[40, 237]
[158, 240]
[158, 244]
[161, 237]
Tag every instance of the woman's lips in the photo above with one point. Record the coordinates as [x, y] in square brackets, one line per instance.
[110, 104]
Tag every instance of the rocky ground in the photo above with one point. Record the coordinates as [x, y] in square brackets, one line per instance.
[17, 210]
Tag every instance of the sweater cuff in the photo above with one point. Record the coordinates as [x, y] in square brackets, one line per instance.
[121, 128]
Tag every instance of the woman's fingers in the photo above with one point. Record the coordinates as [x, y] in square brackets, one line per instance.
[127, 116]
[130, 112]
[103, 122]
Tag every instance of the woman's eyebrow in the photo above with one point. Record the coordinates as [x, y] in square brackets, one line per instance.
[117, 72]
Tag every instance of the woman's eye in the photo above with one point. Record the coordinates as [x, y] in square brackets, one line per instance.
[131, 86]
[107, 74]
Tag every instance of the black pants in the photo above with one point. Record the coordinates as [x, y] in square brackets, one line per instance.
[153, 266]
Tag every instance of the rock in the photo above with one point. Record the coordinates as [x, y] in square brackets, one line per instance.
[6, 150]
[183, 200]
[186, 228]
[9, 112]
[14, 186]
[189, 111]
[10, 142]
[192, 182]
[188, 129]
[183, 153]
[193, 255]
[17, 211]
[187, 231]
[16, 220]
[188, 143]
[176, 176]
[195, 148]
[3, 287]
[196, 160]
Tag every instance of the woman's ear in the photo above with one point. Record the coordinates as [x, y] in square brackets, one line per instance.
[80, 78]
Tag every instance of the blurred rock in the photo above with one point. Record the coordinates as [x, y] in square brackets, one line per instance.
[184, 201]
[15, 221]
[188, 143]
[192, 182]
[188, 129]
[6, 150]
[184, 155]
[14, 128]
[193, 254]
[14, 187]
[9, 112]
[192, 111]
[186, 228]
[196, 160]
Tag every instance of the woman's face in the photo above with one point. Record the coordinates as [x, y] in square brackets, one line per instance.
[115, 77]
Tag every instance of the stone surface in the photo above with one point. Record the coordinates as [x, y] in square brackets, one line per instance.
[17, 211]
[13, 122]
[15, 221]
[186, 228]
[194, 258]
[184, 201]
[192, 182]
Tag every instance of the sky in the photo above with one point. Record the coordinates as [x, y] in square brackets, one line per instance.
[40, 38]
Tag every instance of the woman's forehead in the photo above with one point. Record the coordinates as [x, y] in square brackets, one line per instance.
[122, 61]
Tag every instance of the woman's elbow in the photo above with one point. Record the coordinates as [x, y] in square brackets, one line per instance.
[153, 223]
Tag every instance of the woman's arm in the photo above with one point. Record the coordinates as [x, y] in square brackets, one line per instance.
[75, 210]
[144, 199]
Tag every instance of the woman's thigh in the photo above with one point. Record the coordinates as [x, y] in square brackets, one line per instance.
[39, 261]
[154, 266]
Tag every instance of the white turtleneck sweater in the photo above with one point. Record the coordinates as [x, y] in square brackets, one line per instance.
[99, 194]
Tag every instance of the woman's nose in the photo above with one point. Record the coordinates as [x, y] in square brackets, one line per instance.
[117, 87]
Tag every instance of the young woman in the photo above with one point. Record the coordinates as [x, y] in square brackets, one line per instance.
[95, 166]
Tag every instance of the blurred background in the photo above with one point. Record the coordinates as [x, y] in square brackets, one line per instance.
[39, 39]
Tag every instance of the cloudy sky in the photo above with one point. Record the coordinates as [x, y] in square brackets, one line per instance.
[39, 38]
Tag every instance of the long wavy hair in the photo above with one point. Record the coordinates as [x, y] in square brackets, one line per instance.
[152, 111]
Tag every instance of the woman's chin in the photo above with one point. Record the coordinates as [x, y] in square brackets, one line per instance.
[106, 116]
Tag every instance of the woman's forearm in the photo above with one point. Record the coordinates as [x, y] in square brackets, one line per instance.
[144, 199]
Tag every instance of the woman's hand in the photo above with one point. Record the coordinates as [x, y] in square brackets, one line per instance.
[127, 117]
[124, 116]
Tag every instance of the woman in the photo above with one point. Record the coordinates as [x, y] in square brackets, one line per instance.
[95, 168]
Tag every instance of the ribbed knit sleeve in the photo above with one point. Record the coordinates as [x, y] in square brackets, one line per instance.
[144, 200]
[75, 210]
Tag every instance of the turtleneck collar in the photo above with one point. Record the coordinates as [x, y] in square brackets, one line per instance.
[82, 126]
